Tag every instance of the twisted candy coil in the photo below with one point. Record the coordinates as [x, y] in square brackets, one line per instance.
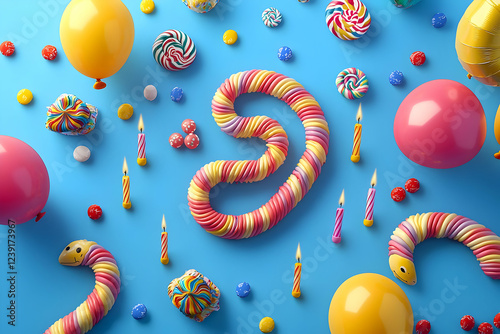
[478, 41]
[71, 116]
[271, 17]
[347, 19]
[484, 243]
[174, 50]
[352, 83]
[102, 298]
[194, 295]
[297, 185]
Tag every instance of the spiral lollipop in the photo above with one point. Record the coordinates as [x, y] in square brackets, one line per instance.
[194, 295]
[68, 115]
[352, 83]
[347, 19]
[481, 240]
[271, 17]
[101, 300]
[174, 50]
[298, 184]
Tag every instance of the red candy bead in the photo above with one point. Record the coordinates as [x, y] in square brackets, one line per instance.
[49, 52]
[176, 140]
[7, 48]
[496, 321]
[467, 322]
[423, 327]
[485, 328]
[94, 212]
[192, 141]
[417, 58]
[188, 126]
[412, 185]
[398, 194]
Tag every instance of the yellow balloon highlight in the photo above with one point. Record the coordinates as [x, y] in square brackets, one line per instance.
[370, 303]
[97, 37]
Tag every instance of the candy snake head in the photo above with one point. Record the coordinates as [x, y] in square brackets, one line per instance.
[403, 269]
[75, 252]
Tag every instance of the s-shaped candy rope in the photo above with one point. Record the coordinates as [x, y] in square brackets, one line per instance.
[298, 184]
[107, 287]
[352, 83]
[484, 243]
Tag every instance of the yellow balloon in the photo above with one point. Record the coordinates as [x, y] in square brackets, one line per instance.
[478, 41]
[97, 37]
[370, 303]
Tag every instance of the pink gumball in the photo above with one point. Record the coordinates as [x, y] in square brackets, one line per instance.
[440, 124]
[24, 181]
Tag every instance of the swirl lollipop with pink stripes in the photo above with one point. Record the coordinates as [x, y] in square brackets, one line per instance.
[347, 19]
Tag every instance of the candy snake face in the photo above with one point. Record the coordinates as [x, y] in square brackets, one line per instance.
[403, 269]
[75, 252]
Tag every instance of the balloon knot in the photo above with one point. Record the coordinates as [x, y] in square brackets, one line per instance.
[39, 216]
[469, 76]
[497, 155]
[99, 84]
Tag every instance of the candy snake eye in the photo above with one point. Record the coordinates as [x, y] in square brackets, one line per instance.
[403, 269]
[78, 250]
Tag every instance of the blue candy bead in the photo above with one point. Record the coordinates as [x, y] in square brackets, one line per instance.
[439, 20]
[176, 94]
[139, 311]
[396, 78]
[243, 289]
[285, 53]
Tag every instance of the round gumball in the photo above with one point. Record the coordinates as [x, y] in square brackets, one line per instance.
[150, 92]
[285, 53]
[417, 58]
[266, 325]
[485, 328]
[49, 52]
[370, 303]
[412, 185]
[440, 124]
[191, 141]
[423, 327]
[188, 126]
[81, 153]
[24, 181]
[94, 212]
[139, 311]
[398, 194]
[176, 140]
[7, 48]
[496, 320]
[467, 322]
[230, 37]
[243, 289]
[176, 94]
[439, 20]
[147, 6]
[125, 111]
[24, 96]
[396, 78]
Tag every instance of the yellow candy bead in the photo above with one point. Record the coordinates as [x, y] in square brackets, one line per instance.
[147, 6]
[125, 111]
[24, 96]
[230, 37]
[266, 325]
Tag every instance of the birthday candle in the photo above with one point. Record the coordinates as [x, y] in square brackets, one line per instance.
[370, 201]
[296, 274]
[338, 220]
[126, 186]
[141, 144]
[357, 136]
[164, 242]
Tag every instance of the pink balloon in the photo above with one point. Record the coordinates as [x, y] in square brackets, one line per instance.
[24, 181]
[440, 124]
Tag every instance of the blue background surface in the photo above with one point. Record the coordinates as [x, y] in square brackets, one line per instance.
[451, 283]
